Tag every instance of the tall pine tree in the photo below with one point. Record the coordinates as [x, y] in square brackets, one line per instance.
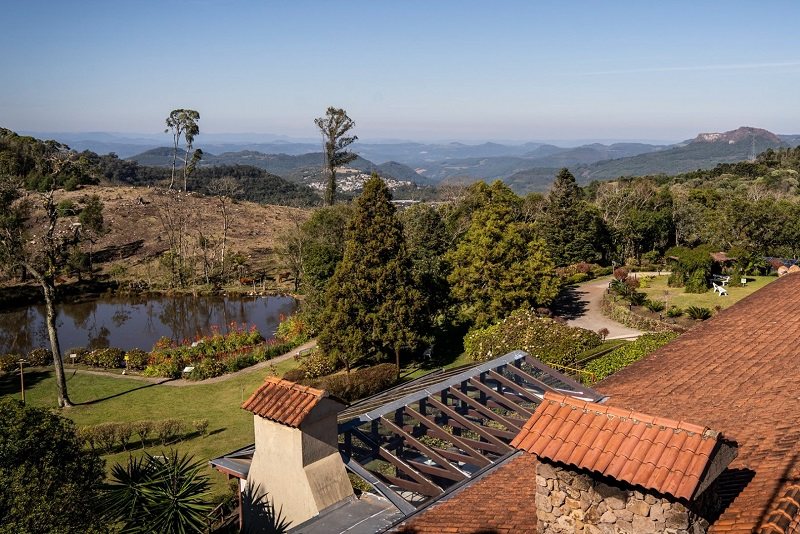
[573, 229]
[372, 309]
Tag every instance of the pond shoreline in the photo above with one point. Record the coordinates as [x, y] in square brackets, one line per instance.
[22, 295]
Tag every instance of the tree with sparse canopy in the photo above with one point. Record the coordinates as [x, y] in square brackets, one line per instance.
[49, 482]
[42, 246]
[183, 123]
[334, 127]
[372, 309]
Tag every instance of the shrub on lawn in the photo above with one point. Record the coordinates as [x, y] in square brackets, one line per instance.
[142, 429]
[201, 426]
[627, 354]
[40, 357]
[168, 429]
[655, 306]
[541, 337]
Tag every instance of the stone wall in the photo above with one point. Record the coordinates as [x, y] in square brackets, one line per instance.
[573, 502]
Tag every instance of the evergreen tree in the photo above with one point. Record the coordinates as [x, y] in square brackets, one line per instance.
[500, 264]
[372, 309]
[573, 230]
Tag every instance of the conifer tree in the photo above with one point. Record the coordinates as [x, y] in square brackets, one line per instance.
[500, 264]
[573, 230]
[372, 309]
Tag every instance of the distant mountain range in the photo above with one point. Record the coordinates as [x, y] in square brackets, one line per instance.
[526, 167]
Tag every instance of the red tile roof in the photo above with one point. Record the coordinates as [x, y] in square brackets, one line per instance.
[659, 454]
[499, 503]
[738, 373]
[283, 401]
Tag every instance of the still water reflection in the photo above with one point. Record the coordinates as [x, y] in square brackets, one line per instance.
[137, 322]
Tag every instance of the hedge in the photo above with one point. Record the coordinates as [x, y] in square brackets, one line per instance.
[546, 339]
[627, 354]
[109, 437]
[359, 383]
[622, 314]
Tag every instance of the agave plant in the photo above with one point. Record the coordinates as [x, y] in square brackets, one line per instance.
[698, 313]
[165, 494]
[264, 518]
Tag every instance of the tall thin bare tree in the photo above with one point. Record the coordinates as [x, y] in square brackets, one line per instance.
[334, 127]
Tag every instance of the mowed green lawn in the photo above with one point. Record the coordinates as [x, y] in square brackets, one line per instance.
[103, 399]
[675, 296]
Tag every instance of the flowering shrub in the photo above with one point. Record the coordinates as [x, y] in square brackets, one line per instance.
[40, 357]
[293, 329]
[317, 364]
[541, 337]
[108, 358]
[9, 362]
[137, 359]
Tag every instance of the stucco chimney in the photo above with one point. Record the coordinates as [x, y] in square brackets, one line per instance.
[296, 459]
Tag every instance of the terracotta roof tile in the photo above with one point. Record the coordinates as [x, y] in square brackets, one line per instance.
[737, 373]
[630, 454]
[283, 401]
[498, 503]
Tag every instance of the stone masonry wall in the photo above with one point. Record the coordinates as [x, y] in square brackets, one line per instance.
[572, 502]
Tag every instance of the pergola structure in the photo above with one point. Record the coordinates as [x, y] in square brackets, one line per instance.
[414, 442]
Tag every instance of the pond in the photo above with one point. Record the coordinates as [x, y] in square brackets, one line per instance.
[130, 322]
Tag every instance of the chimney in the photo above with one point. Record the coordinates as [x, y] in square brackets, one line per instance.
[296, 459]
[606, 470]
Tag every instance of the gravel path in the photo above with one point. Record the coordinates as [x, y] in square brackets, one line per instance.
[580, 306]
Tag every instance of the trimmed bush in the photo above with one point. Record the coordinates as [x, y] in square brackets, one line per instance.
[201, 426]
[294, 375]
[40, 357]
[137, 359]
[359, 383]
[168, 429]
[628, 353]
[123, 433]
[541, 337]
[105, 436]
[142, 429]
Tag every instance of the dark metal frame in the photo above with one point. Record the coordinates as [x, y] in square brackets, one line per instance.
[443, 433]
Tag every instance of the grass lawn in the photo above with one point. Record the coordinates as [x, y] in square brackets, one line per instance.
[108, 399]
[658, 290]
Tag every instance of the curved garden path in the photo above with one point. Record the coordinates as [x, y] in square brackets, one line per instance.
[181, 382]
[580, 306]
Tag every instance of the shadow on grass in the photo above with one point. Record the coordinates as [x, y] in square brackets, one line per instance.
[9, 382]
[115, 395]
[216, 431]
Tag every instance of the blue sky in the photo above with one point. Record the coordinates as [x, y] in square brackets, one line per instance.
[404, 69]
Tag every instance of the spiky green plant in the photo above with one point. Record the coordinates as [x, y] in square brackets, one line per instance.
[165, 494]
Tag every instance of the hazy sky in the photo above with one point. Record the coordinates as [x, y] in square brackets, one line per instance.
[404, 69]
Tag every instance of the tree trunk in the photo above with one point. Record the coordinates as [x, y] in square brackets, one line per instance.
[61, 383]
[175, 137]
[224, 237]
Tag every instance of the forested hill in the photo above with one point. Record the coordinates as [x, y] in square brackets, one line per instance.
[303, 168]
[703, 152]
[30, 159]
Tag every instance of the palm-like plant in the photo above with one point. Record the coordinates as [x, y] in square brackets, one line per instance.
[163, 494]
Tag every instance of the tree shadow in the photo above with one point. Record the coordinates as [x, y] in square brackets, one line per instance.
[570, 304]
[217, 431]
[10, 384]
[121, 393]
